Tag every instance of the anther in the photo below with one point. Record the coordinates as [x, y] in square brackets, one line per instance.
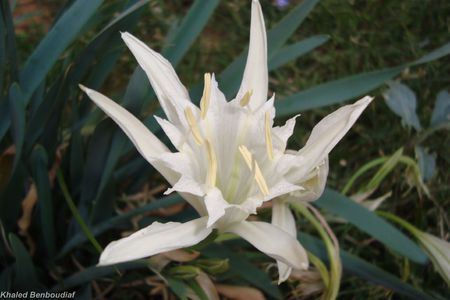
[269, 145]
[204, 102]
[246, 99]
[212, 165]
[193, 124]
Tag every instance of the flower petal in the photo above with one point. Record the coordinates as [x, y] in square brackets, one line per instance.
[171, 93]
[283, 218]
[314, 184]
[215, 205]
[155, 239]
[273, 241]
[148, 145]
[255, 77]
[327, 133]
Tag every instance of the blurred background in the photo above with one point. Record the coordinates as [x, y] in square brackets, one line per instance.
[399, 148]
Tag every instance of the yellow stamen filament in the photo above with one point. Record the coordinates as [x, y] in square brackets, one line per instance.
[253, 166]
[194, 126]
[212, 165]
[204, 102]
[246, 155]
[269, 145]
[246, 99]
[260, 180]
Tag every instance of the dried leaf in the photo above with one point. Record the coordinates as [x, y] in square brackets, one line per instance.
[181, 255]
[235, 292]
[207, 286]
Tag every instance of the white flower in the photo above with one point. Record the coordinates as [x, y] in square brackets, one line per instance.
[229, 159]
[438, 251]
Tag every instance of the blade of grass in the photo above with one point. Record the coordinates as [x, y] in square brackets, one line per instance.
[76, 214]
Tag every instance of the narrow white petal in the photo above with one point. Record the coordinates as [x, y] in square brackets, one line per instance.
[177, 138]
[283, 133]
[187, 185]
[314, 184]
[328, 132]
[215, 205]
[273, 241]
[155, 239]
[145, 141]
[256, 75]
[168, 88]
[283, 218]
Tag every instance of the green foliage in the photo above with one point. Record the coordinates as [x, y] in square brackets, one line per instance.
[51, 139]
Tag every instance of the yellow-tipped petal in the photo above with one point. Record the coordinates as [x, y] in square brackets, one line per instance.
[194, 126]
[212, 165]
[204, 102]
[269, 145]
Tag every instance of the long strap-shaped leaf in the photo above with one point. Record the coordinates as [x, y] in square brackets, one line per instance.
[363, 269]
[347, 88]
[65, 30]
[338, 204]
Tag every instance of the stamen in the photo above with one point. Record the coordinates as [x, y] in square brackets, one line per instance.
[269, 145]
[212, 165]
[260, 180]
[247, 156]
[193, 124]
[246, 99]
[253, 166]
[204, 102]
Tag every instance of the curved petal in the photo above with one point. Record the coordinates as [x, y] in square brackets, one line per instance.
[155, 239]
[148, 145]
[215, 205]
[283, 218]
[314, 184]
[168, 88]
[273, 241]
[255, 77]
[327, 133]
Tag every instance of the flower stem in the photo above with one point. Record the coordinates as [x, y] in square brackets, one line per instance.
[332, 251]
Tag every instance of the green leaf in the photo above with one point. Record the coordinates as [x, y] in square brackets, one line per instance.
[8, 24]
[282, 31]
[384, 170]
[179, 288]
[333, 92]
[65, 30]
[231, 77]
[17, 111]
[25, 273]
[240, 267]
[363, 269]
[193, 23]
[291, 52]
[45, 205]
[95, 272]
[367, 221]
[117, 220]
[108, 38]
[441, 111]
[336, 91]
[403, 102]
